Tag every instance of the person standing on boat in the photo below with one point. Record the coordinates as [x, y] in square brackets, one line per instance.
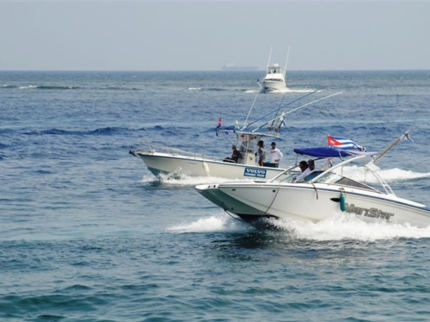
[275, 156]
[261, 153]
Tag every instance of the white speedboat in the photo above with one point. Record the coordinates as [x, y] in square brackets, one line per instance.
[320, 195]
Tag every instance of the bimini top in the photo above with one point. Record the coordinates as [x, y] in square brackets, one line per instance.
[330, 152]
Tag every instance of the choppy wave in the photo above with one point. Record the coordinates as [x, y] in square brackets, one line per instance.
[9, 86]
[99, 131]
[49, 87]
[119, 88]
[68, 87]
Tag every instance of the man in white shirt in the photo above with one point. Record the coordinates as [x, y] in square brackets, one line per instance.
[307, 168]
[275, 156]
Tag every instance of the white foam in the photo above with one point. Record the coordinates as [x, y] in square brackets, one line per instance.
[337, 227]
[395, 174]
[195, 89]
[344, 226]
[185, 180]
[29, 87]
[215, 223]
[293, 90]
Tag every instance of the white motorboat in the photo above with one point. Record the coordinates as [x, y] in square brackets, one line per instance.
[184, 163]
[322, 194]
[175, 163]
[274, 81]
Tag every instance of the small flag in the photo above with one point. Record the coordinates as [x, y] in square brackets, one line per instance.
[341, 143]
[218, 126]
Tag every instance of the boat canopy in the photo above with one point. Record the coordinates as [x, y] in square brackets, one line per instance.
[330, 152]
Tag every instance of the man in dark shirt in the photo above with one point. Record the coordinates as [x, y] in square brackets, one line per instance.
[236, 155]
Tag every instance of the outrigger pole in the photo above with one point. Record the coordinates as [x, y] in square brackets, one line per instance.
[282, 115]
[402, 137]
[250, 110]
[252, 106]
[277, 110]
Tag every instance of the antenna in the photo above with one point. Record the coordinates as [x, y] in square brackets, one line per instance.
[270, 57]
[286, 62]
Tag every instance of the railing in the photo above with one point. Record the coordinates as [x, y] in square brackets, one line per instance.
[176, 151]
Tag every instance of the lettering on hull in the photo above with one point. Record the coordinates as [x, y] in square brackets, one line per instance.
[368, 212]
[254, 172]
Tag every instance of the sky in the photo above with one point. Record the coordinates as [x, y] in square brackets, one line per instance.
[142, 35]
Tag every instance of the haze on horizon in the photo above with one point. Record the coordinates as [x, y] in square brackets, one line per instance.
[204, 35]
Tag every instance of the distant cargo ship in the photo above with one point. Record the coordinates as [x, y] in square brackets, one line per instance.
[232, 67]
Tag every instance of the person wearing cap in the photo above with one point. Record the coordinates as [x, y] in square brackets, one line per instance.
[275, 156]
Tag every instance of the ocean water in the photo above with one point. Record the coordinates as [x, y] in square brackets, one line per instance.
[88, 234]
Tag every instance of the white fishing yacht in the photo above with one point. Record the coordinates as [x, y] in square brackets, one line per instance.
[274, 81]
[319, 195]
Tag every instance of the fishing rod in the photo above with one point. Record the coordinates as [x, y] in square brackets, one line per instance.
[281, 117]
[271, 112]
[253, 103]
[250, 110]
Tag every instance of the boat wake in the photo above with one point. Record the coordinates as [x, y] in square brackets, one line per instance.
[216, 223]
[185, 180]
[390, 175]
[342, 226]
[287, 90]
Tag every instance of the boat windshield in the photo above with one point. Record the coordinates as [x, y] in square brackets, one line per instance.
[338, 179]
[290, 176]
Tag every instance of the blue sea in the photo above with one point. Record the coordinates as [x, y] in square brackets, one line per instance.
[87, 233]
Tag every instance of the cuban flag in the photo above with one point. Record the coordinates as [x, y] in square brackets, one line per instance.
[343, 144]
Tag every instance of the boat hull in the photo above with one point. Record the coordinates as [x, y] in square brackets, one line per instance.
[271, 86]
[179, 165]
[306, 202]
